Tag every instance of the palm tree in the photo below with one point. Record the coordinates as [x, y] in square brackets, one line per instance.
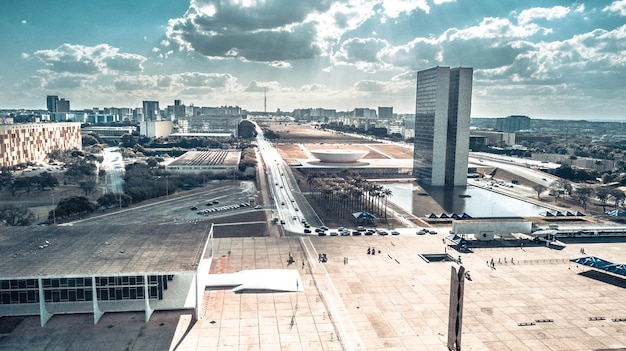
[387, 194]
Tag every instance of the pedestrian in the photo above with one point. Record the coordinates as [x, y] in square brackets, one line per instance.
[302, 264]
[512, 261]
[499, 260]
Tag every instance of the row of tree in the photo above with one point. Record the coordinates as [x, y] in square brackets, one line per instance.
[347, 192]
[583, 193]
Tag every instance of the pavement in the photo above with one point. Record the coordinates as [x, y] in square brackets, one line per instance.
[395, 300]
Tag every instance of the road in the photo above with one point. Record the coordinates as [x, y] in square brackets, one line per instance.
[290, 207]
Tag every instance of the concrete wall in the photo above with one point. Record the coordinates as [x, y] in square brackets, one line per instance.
[490, 227]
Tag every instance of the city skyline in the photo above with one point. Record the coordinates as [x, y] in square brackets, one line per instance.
[562, 61]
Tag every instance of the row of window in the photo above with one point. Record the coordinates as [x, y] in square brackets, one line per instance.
[21, 291]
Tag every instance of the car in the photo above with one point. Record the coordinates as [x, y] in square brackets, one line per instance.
[258, 207]
[281, 186]
[294, 218]
[282, 221]
[395, 232]
[432, 232]
[356, 232]
[317, 230]
[215, 202]
[307, 231]
[383, 232]
[307, 225]
[282, 203]
[193, 208]
[341, 229]
[296, 209]
[324, 227]
[421, 232]
[345, 233]
[321, 233]
[360, 228]
[334, 233]
[209, 204]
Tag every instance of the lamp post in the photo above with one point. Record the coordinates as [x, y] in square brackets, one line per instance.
[167, 191]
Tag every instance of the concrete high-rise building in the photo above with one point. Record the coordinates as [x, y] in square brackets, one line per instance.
[52, 102]
[151, 111]
[513, 123]
[63, 105]
[442, 120]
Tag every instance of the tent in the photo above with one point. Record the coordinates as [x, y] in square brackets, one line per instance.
[454, 215]
[598, 263]
[548, 214]
[592, 261]
[569, 214]
[363, 215]
[618, 268]
[457, 240]
[615, 213]
[443, 215]
[578, 213]
[559, 214]
[431, 215]
[465, 216]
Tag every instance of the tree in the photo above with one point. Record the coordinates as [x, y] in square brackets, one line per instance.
[72, 206]
[582, 195]
[602, 193]
[13, 215]
[618, 196]
[88, 187]
[246, 129]
[539, 188]
[47, 180]
[128, 140]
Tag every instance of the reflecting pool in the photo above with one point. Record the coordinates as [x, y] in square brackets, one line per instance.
[476, 202]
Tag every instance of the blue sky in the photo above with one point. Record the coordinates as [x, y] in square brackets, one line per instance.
[544, 59]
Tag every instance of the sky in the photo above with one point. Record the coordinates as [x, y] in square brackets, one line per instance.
[543, 59]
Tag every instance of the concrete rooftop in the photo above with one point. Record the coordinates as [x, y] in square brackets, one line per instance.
[109, 249]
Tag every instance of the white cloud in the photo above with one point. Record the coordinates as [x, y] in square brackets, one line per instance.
[97, 59]
[549, 14]
[618, 7]
[394, 8]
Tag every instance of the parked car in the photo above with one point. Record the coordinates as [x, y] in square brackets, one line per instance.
[307, 231]
[395, 232]
[334, 233]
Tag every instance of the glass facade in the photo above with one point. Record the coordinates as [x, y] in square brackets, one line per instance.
[77, 289]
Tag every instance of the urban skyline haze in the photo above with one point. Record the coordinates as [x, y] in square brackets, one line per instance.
[562, 59]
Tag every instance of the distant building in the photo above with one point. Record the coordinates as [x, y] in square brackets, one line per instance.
[220, 120]
[442, 119]
[513, 123]
[31, 142]
[51, 103]
[224, 162]
[111, 133]
[63, 105]
[156, 129]
[151, 111]
[385, 112]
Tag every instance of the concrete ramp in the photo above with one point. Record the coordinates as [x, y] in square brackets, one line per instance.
[257, 280]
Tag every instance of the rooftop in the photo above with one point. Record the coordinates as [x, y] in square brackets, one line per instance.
[208, 158]
[111, 249]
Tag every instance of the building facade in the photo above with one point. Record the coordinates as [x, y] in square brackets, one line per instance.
[442, 119]
[151, 111]
[31, 142]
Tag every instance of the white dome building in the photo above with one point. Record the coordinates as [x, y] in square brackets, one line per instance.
[339, 156]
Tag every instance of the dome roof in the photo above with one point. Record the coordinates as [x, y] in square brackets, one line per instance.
[339, 156]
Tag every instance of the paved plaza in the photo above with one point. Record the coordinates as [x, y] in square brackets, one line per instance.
[395, 300]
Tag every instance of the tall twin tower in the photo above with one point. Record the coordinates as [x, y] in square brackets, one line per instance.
[442, 121]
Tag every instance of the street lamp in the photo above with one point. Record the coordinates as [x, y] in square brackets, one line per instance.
[167, 191]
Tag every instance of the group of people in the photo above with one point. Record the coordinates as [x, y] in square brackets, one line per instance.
[372, 251]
